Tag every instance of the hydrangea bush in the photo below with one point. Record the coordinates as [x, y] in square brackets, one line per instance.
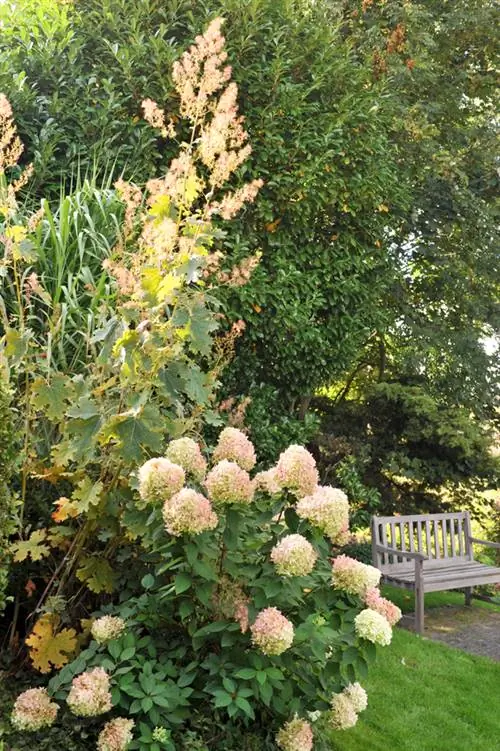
[243, 610]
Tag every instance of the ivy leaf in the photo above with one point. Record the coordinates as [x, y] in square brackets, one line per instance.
[51, 397]
[97, 574]
[32, 547]
[49, 649]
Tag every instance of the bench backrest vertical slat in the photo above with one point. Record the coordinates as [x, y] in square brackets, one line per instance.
[419, 536]
[461, 545]
[428, 547]
[411, 533]
[437, 549]
[452, 537]
[445, 538]
[402, 535]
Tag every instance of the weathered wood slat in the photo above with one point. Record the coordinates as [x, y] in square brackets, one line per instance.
[460, 538]
[444, 524]
[452, 538]
[412, 517]
[437, 550]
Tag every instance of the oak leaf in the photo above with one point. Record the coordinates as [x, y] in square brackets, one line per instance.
[33, 547]
[48, 648]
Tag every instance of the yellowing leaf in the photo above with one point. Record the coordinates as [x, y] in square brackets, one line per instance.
[33, 547]
[66, 509]
[273, 226]
[49, 649]
[383, 207]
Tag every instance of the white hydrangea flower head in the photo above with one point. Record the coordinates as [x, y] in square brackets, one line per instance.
[374, 627]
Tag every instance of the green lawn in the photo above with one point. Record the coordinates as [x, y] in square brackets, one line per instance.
[426, 696]
[405, 600]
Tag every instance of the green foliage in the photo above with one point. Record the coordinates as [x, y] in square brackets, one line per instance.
[8, 450]
[65, 251]
[187, 657]
[419, 453]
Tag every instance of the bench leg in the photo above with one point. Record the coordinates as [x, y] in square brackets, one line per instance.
[468, 596]
[419, 610]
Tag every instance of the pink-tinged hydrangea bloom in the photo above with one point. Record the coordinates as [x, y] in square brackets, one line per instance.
[388, 609]
[296, 471]
[342, 715]
[106, 628]
[187, 454]
[357, 696]
[188, 512]
[236, 447]
[328, 509]
[34, 710]
[296, 735]
[294, 556]
[159, 479]
[116, 735]
[272, 632]
[352, 576]
[267, 481]
[228, 483]
[89, 695]
[372, 626]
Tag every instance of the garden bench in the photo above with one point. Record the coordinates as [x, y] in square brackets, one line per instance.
[429, 553]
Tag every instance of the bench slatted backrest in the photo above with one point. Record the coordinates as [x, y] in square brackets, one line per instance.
[440, 537]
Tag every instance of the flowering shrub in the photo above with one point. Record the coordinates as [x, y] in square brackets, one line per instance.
[214, 590]
[241, 611]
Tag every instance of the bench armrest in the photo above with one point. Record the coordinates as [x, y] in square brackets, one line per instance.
[485, 542]
[401, 553]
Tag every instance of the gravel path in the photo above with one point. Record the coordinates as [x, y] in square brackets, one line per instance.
[473, 629]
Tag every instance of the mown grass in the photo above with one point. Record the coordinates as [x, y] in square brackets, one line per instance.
[404, 599]
[426, 696]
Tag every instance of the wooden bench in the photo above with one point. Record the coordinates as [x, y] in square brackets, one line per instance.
[429, 553]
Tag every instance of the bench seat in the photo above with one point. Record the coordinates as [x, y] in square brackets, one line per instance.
[438, 577]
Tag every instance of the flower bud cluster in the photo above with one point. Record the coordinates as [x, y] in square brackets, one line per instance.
[294, 556]
[388, 609]
[89, 695]
[34, 710]
[328, 509]
[271, 632]
[116, 735]
[374, 627]
[187, 454]
[236, 447]
[296, 735]
[107, 628]
[346, 706]
[353, 577]
[296, 471]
